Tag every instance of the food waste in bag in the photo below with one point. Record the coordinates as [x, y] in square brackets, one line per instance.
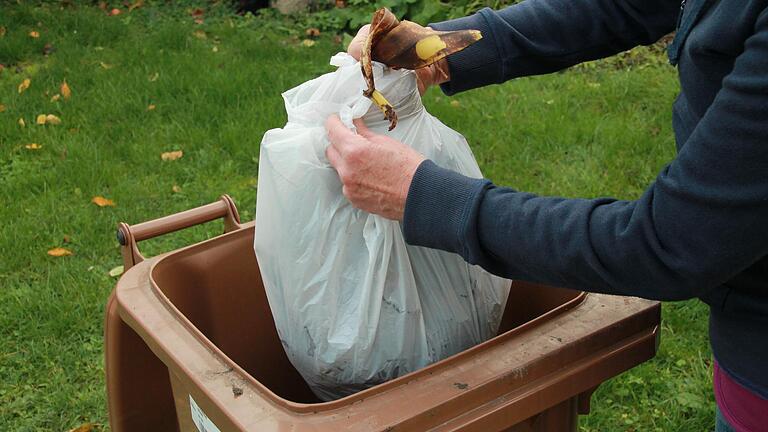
[353, 304]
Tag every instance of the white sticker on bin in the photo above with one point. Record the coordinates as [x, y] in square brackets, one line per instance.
[203, 423]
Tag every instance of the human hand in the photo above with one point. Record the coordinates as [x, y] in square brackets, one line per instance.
[375, 170]
[434, 74]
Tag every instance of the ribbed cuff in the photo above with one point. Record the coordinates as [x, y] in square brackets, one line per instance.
[480, 63]
[439, 206]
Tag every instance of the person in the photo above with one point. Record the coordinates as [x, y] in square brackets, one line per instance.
[700, 230]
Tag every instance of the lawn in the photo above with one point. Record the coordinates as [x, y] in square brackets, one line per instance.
[154, 81]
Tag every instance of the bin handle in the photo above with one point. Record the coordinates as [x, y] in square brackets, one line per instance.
[130, 235]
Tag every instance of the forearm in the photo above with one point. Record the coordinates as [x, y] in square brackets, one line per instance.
[542, 36]
[662, 246]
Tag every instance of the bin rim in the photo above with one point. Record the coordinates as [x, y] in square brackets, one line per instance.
[347, 400]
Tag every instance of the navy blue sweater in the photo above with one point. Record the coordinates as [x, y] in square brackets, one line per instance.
[700, 230]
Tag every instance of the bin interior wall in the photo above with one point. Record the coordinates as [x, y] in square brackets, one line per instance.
[220, 290]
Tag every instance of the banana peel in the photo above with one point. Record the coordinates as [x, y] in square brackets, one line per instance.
[405, 45]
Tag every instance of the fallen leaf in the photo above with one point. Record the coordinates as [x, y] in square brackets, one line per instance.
[102, 202]
[60, 252]
[308, 42]
[215, 49]
[33, 146]
[199, 34]
[24, 85]
[34, 34]
[52, 119]
[87, 427]
[21, 122]
[40, 119]
[2, 31]
[455, 103]
[105, 65]
[197, 12]
[55, 97]
[151, 107]
[116, 271]
[176, 189]
[137, 4]
[154, 77]
[172, 155]
[199, 21]
[313, 32]
[115, 11]
[549, 102]
[65, 90]
[2, 107]
[67, 238]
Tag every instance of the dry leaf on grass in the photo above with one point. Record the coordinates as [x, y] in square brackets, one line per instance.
[176, 189]
[2, 107]
[87, 427]
[116, 271]
[33, 146]
[151, 107]
[105, 65]
[24, 85]
[102, 202]
[154, 77]
[59, 252]
[172, 155]
[34, 34]
[55, 97]
[115, 11]
[137, 4]
[308, 43]
[52, 119]
[199, 34]
[40, 119]
[21, 122]
[65, 90]
[2, 31]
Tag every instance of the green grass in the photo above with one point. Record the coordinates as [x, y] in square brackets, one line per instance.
[590, 132]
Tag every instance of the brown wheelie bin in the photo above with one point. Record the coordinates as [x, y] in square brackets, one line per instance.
[191, 346]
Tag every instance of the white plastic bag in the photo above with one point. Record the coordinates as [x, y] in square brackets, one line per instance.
[353, 304]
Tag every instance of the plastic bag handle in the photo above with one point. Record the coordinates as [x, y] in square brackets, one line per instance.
[130, 235]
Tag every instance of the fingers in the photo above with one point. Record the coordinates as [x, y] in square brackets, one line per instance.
[333, 156]
[362, 129]
[355, 47]
[338, 133]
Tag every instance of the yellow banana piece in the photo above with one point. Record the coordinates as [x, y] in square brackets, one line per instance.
[405, 45]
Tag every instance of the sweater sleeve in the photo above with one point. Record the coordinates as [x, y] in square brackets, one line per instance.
[542, 36]
[702, 221]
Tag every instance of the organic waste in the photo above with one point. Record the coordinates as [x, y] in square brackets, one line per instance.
[406, 45]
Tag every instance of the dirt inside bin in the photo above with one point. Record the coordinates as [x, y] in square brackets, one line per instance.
[222, 294]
